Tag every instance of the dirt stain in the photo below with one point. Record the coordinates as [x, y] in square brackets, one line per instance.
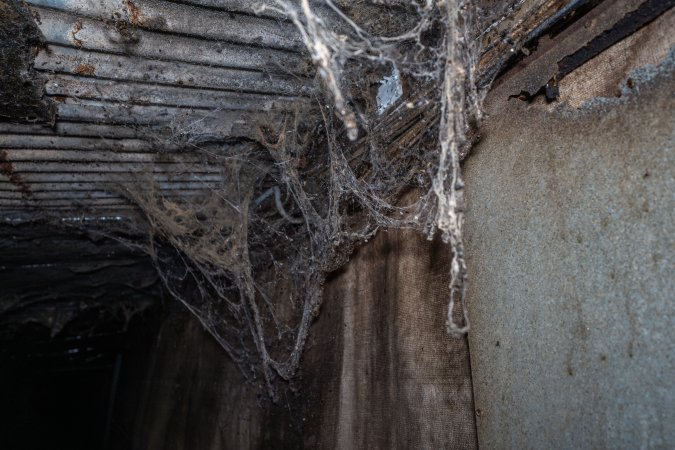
[7, 169]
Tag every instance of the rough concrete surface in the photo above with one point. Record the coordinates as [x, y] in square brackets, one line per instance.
[379, 369]
[570, 242]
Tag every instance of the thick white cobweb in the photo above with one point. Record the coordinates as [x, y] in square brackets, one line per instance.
[249, 260]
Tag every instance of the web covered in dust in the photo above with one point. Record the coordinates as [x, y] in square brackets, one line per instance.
[249, 260]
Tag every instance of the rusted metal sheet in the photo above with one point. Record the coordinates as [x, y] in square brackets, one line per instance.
[133, 81]
[73, 61]
[143, 94]
[82, 32]
[253, 7]
[186, 20]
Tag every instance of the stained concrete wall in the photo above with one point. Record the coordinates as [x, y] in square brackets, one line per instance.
[378, 372]
[570, 239]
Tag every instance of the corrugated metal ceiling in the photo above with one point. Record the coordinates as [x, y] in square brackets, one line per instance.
[133, 80]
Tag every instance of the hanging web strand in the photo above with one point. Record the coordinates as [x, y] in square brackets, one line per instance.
[249, 259]
[448, 184]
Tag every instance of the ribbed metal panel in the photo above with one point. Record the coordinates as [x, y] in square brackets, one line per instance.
[134, 81]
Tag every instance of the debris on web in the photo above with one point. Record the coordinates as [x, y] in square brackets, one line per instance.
[395, 97]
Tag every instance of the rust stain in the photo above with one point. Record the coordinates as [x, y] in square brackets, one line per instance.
[7, 169]
[76, 29]
[135, 14]
[85, 69]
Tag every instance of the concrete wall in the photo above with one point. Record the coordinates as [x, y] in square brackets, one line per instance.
[378, 372]
[570, 239]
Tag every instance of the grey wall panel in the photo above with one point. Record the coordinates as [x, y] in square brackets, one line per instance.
[570, 244]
